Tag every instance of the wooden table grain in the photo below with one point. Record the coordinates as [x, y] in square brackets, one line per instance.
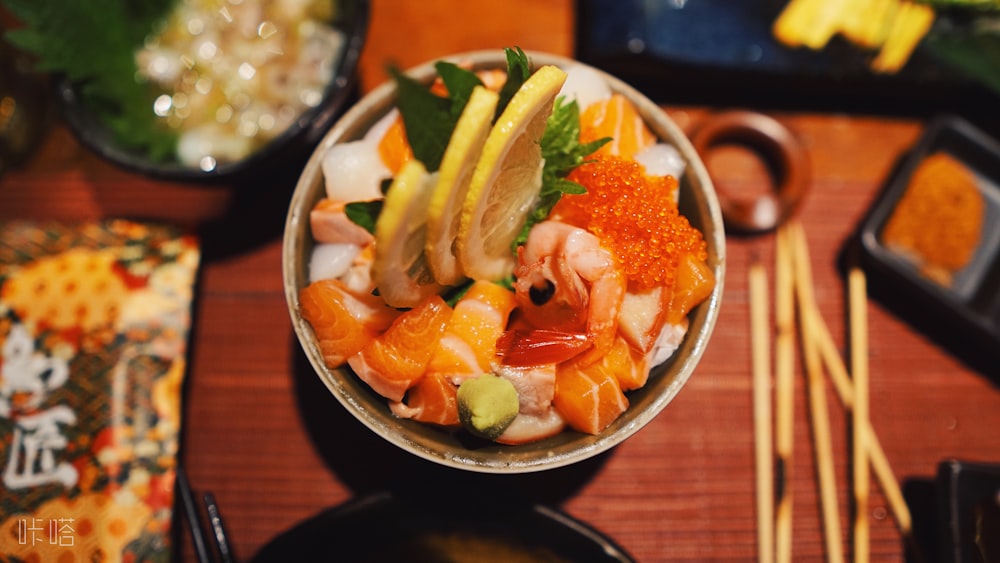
[262, 433]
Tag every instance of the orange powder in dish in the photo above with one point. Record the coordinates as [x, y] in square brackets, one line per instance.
[939, 220]
[635, 216]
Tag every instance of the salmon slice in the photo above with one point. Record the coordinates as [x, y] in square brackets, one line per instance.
[616, 117]
[343, 322]
[329, 224]
[434, 400]
[394, 148]
[628, 364]
[693, 283]
[588, 398]
[395, 360]
[468, 347]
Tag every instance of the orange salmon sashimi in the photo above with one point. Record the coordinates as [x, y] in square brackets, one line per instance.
[617, 118]
[468, 346]
[434, 400]
[344, 322]
[629, 365]
[693, 283]
[394, 148]
[588, 398]
[329, 223]
[394, 361]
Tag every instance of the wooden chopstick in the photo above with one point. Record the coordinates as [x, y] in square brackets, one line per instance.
[784, 393]
[819, 414]
[858, 314]
[884, 474]
[761, 362]
[793, 278]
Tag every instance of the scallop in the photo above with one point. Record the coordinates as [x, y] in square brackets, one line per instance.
[585, 84]
[662, 159]
[331, 260]
[354, 171]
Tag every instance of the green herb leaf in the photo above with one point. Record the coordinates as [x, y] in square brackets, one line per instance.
[563, 152]
[971, 49]
[459, 82]
[92, 45]
[518, 71]
[364, 213]
[429, 119]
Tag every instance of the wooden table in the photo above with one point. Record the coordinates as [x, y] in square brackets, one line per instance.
[263, 434]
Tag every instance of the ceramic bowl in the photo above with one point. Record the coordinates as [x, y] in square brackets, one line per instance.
[351, 18]
[698, 202]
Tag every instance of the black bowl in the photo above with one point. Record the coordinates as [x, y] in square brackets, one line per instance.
[388, 527]
[352, 17]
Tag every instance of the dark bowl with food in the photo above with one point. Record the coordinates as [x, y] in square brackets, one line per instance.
[249, 98]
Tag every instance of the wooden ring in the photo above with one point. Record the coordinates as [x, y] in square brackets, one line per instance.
[781, 151]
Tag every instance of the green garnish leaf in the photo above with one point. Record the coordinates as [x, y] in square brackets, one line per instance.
[92, 44]
[518, 71]
[459, 82]
[563, 152]
[364, 213]
[971, 48]
[429, 119]
[426, 119]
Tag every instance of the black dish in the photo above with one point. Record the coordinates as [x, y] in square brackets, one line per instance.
[969, 308]
[295, 143]
[387, 527]
[968, 511]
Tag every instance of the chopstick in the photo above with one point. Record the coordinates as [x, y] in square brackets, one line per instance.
[857, 299]
[881, 468]
[195, 524]
[193, 517]
[784, 392]
[761, 360]
[845, 388]
[793, 282]
[218, 528]
[819, 414]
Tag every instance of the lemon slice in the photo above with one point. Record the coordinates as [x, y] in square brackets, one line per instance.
[400, 270]
[445, 211]
[507, 179]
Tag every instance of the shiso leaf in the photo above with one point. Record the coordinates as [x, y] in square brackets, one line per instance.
[92, 45]
[518, 71]
[563, 152]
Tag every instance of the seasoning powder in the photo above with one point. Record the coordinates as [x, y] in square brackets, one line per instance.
[938, 222]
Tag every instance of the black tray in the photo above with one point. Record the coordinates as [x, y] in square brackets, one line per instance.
[970, 306]
[968, 511]
[723, 52]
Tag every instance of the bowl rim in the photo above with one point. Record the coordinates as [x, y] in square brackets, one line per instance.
[307, 128]
[501, 459]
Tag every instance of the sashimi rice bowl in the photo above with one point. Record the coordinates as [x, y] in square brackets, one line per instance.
[504, 261]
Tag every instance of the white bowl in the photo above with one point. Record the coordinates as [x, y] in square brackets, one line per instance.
[698, 202]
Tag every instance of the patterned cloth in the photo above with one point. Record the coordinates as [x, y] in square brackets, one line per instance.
[94, 325]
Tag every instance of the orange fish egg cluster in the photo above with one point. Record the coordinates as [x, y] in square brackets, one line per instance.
[636, 216]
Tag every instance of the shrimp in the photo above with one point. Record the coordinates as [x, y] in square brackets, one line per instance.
[567, 281]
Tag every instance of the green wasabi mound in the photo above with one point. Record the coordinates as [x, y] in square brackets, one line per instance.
[487, 405]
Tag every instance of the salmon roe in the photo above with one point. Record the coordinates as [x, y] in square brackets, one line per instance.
[635, 216]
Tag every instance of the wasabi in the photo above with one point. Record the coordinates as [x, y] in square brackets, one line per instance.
[487, 405]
